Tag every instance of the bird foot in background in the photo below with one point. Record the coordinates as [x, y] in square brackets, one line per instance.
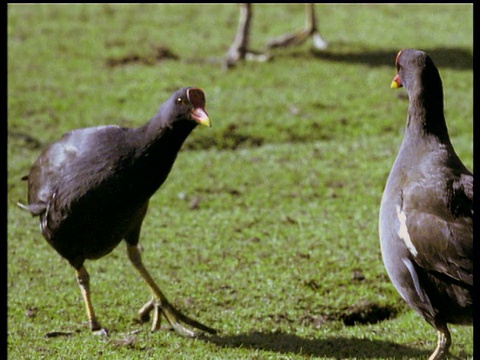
[257, 56]
[318, 42]
[298, 38]
[234, 56]
[291, 39]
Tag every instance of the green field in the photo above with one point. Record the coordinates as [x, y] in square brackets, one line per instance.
[266, 228]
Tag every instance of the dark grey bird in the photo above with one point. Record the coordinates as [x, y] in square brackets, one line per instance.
[92, 187]
[425, 224]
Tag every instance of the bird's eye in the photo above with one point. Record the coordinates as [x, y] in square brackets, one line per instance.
[179, 101]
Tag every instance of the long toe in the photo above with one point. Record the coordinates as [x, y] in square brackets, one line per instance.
[183, 331]
[143, 314]
[177, 319]
[157, 317]
[290, 39]
[158, 312]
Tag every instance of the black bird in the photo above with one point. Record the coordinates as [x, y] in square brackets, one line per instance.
[92, 187]
[425, 225]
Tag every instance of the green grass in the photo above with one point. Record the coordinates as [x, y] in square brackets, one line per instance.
[267, 226]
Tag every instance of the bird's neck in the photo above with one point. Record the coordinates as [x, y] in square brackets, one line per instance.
[161, 139]
[426, 118]
[157, 148]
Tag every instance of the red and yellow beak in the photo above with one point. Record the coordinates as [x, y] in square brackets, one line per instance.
[201, 117]
[197, 99]
[396, 82]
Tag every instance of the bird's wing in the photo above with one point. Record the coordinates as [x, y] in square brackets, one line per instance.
[60, 163]
[46, 173]
[443, 247]
[440, 237]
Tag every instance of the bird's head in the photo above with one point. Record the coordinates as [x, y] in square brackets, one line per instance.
[415, 69]
[189, 104]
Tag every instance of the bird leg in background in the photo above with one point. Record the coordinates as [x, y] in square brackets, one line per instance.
[299, 37]
[83, 280]
[239, 48]
[160, 305]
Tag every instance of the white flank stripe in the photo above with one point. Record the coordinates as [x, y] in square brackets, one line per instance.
[403, 232]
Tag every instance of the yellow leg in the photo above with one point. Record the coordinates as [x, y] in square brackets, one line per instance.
[159, 303]
[144, 312]
[83, 280]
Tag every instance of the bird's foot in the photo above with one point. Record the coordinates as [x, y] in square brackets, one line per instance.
[440, 354]
[297, 38]
[100, 332]
[233, 56]
[174, 318]
[97, 329]
[257, 56]
[290, 39]
[144, 313]
[443, 343]
[318, 42]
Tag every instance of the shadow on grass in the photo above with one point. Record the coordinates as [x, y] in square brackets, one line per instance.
[331, 347]
[443, 57]
[453, 58]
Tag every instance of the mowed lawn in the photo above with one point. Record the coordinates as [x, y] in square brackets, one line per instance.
[266, 228]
